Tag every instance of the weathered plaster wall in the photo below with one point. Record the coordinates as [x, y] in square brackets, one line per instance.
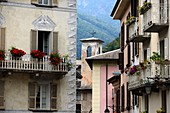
[18, 24]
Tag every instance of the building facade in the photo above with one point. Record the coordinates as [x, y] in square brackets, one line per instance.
[38, 85]
[90, 47]
[144, 44]
[102, 67]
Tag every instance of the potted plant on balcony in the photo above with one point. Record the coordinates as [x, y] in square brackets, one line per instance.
[17, 52]
[130, 20]
[146, 6]
[161, 110]
[37, 54]
[2, 55]
[68, 62]
[156, 58]
[144, 111]
[55, 58]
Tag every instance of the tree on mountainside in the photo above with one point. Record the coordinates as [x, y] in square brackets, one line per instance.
[115, 44]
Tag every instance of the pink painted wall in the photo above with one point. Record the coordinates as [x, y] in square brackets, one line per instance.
[111, 69]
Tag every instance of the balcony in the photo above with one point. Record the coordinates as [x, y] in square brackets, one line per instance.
[28, 64]
[156, 73]
[156, 18]
[135, 35]
[138, 79]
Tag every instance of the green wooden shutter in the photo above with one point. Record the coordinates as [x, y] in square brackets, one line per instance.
[54, 2]
[32, 88]
[33, 40]
[55, 41]
[2, 38]
[2, 94]
[53, 96]
[34, 1]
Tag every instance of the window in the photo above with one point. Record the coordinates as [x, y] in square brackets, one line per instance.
[42, 96]
[43, 41]
[78, 108]
[134, 8]
[128, 99]
[89, 51]
[78, 96]
[45, 2]
[164, 100]
[162, 49]
[123, 98]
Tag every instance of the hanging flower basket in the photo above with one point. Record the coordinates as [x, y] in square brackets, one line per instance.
[2, 55]
[55, 58]
[17, 52]
[37, 54]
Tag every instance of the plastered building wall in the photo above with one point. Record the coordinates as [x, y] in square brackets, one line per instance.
[17, 17]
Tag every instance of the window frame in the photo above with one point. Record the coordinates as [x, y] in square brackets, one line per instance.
[33, 87]
[43, 2]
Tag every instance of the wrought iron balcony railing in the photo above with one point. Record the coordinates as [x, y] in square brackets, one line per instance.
[156, 18]
[27, 63]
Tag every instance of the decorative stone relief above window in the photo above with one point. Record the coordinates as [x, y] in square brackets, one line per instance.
[44, 23]
[2, 19]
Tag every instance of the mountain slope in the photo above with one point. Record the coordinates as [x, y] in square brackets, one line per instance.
[86, 24]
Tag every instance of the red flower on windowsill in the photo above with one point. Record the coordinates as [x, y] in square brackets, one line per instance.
[37, 54]
[2, 55]
[17, 52]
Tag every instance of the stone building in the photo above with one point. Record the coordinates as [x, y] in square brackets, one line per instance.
[145, 42]
[36, 85]
[90, 47]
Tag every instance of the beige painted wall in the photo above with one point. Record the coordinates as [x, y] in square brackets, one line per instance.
[23, 18]
[96, 88]
[61, 3]
[16, 92]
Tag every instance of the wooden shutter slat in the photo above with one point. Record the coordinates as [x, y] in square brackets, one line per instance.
[53, 96]
[32, 95]
[55, 41]
[33, 39]
[2, 94]
[3, 38]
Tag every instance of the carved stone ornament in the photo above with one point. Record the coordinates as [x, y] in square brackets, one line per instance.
[44, 22]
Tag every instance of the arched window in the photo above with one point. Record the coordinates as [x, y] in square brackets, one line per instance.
[98, 51]
[89, 51]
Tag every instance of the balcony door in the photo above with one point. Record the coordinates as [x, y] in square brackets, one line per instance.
[43, 41]
[163, 11]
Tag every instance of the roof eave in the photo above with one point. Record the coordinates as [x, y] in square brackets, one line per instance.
[119, 9]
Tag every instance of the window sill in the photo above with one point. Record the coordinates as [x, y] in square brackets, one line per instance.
[41, 5]
[37, 111]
